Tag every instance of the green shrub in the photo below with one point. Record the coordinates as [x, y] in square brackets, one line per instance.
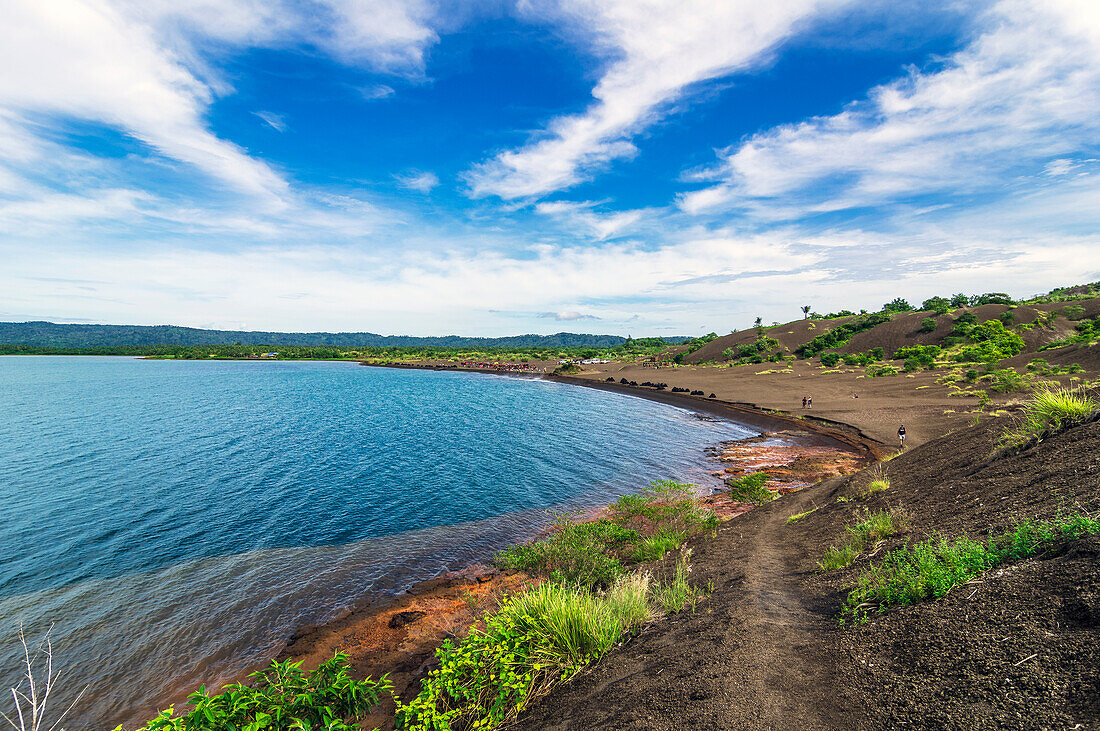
[579, 554]
[1006, 380]
[877, 371]
[928, 324]
[654, 547]
[939, 305]
[750, 489]
[830, 359]
[282, 697]
[841, 334]
[1073, 312]
[897, 305]
[1007, 318]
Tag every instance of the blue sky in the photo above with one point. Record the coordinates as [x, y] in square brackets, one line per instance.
[627, 166]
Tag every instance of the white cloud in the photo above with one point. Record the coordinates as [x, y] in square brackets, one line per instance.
[580, 215]
[144, 67]
[1023, 94]
[418, 180]
[659, 48]
[276, 121]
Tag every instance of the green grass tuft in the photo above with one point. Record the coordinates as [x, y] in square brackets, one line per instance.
[1048, 412]
[678, 593]
[799, 516]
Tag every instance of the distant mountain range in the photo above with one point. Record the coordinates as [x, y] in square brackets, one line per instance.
[52, 335]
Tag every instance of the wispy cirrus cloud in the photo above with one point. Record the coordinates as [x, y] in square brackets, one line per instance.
[277, 122]
[582, 215]
[655, 51]
[418, 180]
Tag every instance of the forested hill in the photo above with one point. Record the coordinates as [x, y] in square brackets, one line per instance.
[51, 335]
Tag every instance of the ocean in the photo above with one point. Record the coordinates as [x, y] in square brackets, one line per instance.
[175, 521]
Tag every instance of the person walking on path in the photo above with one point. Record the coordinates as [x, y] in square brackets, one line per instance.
[810, 402]
[803, 402]
[901, 434]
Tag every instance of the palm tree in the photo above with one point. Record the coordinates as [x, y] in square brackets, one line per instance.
[805, 311]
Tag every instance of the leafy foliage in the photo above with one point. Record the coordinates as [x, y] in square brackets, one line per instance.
[863, 534]
[282, 697]
[641, 527]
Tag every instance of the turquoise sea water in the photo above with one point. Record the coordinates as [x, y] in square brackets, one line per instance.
[176, 521]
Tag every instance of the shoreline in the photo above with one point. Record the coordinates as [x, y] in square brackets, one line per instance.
[399, 634]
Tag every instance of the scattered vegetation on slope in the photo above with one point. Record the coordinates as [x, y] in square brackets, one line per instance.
[932, 567]
[861, 536]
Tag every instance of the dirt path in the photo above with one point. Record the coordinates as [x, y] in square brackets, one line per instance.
[749, 656]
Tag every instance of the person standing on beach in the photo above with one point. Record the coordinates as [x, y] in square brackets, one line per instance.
[901, 434]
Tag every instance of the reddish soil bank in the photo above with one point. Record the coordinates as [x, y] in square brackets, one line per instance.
[1019, 649]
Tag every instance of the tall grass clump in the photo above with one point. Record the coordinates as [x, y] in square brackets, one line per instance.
[861, 536]
[536, 640]
[678, 593]
[281, 698]
[750, 489]
[930, 568]
[1048, 412]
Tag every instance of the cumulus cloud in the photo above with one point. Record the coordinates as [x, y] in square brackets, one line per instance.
[1022, 95]
[657, 49]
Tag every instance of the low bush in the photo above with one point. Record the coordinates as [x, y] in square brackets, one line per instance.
[657, 545]
[578, 554]
[750, 489]
[830, 359]
[1006, 380]
[928, 324]
[281, 698]
[592, 555]
[878, 371]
